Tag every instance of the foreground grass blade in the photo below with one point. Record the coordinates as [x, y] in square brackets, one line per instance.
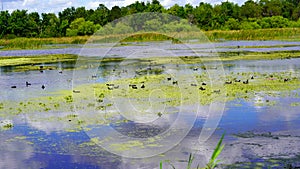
[191, 159]
[213, 160]
[165, 161]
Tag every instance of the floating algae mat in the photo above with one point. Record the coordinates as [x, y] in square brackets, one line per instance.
[146, 91]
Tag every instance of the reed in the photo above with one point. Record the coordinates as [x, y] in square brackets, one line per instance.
[37, 43]
[175, 37]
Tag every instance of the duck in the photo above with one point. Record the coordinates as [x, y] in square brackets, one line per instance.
[246, 82]
[43, 87]
[76, 91]
[201, 88]
[27, 84]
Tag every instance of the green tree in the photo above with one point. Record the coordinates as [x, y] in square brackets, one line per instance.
[80, 12]
[34, 23]
[251, 9]
[101, 15]
[50, 25]
[189, 12]
[115, 13]
[81, 27]
[177, 10]
[296, 13]
[18, 23]
[67, 14]
[271, 7]
[203, 15]
[4, 18]
[232, 24]
[154, 6]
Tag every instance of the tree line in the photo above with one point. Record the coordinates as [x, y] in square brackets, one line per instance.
[80, 21]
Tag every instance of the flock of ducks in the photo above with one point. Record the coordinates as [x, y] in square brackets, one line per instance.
[27, 84]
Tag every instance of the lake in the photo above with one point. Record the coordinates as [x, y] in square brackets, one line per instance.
[262, 129]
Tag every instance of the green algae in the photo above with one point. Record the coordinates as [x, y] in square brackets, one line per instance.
[295, 104]
[224, 56]
[37, 59]
[99, 100]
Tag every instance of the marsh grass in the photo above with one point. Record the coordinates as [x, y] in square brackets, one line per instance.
[258, 34]
[176, 37]
[37, 43]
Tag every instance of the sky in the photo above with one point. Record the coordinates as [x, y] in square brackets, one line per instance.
[55, 6]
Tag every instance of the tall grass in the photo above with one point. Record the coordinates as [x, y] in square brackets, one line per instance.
[216, 35]
[259, 34]
[213, 162]
[36, 43]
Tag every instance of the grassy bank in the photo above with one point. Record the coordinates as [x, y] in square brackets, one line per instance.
[217, 35]
[37, 43]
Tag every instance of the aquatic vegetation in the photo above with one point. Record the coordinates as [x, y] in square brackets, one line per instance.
[34, 60]
[97, 97]
[6, 124]
[295, 104]
[69, 99]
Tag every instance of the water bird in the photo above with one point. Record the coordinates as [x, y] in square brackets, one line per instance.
[27, 84]
[193, 84]
[143, 86]
[94, 76]
[41, 71]
[41, 67]
[217, 91]
[133, 86]
[201, 88]
[110, 85]
[203, 83]
[169, 78]
[238, 46]
[175, 82]
[76, 91]
[116, 87]
[237, 80]
[163, 66]
[13, 87]
[43, 87]
[246, 82]
[60, 72]
[195, 69]
[252, 77]
[228, 82]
